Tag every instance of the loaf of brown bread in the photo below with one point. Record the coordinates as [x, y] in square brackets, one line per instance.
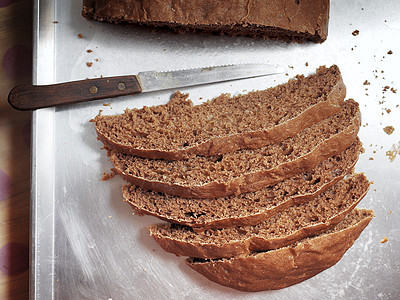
[283, 19]
[180, 130]
[244, 171]
[287, 227]
[283, 267]
[245, 209]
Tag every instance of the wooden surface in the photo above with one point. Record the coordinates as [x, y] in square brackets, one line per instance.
[16, 68]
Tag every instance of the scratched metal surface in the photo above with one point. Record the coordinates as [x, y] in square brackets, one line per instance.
[87, 244]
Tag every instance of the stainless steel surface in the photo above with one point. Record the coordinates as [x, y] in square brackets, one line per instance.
[156, 81]
[86, 244]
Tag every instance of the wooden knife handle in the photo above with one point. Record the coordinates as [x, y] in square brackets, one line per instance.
[29, 97]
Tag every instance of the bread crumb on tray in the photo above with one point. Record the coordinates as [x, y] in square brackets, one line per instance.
[384, 240]
[108, 176]
[389, 130]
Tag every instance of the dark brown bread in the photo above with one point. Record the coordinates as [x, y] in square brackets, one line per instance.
[245, 209]
[287, 227]
[286, 266]
[179, 130]
[244, 170]
[288, 20]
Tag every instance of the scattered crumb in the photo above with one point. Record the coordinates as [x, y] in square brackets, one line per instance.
[55, 22]
[366, 82]
[371, 158]
[80, 35]
[96, 60]
[393, 90]
[388, 110]
[355, 32]
[390, 52]
[154, 250]
[165, 49]
[388, 129]
[89, 64]
[306, 64]
[392, 153]
[291, 67]
[390, 212]
[89, 50]
[384, 240]
[108, 176]
[287, 74]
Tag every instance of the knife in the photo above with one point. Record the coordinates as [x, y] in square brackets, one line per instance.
[29, 97]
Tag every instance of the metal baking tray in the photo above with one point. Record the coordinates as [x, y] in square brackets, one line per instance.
[86, 242]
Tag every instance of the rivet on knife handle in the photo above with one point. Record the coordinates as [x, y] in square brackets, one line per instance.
[29, 97]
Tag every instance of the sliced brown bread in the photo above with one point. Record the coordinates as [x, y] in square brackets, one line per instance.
[179, 130]
[245, 209]
[287, 227]
[244, 170]
[276, 269]
[287, 20]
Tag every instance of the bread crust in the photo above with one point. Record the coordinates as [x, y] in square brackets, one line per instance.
[199, 249]
[283, 267]
[246, 140]
[252, 219]
[256, 180]
[289, 20]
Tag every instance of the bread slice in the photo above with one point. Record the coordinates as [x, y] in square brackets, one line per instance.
[287, 20]
[291, 225]
[245, 209]
[243, 170]
[179, 130]
[276, 269]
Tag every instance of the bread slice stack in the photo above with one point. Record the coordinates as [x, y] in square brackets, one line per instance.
[258, 190]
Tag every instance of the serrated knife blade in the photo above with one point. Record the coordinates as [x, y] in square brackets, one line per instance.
[29, 97]
[155, 81]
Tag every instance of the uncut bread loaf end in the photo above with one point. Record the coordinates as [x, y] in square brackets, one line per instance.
[279, 19]
[181, 130]
[283, 267]
[244, 171]
[245, 209]
[296, 222]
